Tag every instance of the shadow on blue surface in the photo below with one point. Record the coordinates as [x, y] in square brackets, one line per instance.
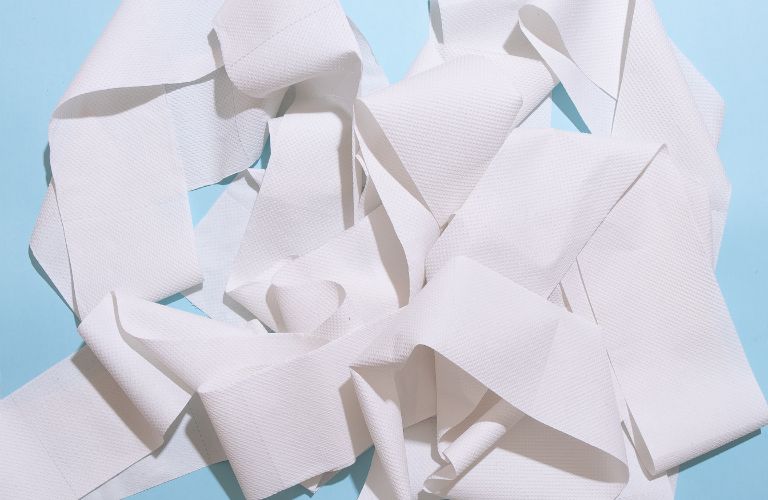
[39, 269]
[223, 473]
[563, 101]
[47, 163]
[355, 473]
[717, 451]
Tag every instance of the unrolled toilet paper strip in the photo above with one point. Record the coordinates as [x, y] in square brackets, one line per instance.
[467, 292]
[194, 128]
[464, 287]
[687, 332]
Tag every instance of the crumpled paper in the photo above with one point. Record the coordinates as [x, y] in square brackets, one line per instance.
[504, 310]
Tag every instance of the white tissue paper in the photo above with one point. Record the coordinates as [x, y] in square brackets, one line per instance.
[503, 309]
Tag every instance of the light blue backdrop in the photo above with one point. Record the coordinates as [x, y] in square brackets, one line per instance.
[42, 43]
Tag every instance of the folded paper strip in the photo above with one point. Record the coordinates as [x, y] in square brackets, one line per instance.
[504, 310]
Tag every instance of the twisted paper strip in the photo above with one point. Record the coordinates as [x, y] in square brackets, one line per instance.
[503, 309]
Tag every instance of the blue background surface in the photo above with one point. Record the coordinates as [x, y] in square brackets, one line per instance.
[43, 42]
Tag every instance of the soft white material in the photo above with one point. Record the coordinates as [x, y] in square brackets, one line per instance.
[446, 277]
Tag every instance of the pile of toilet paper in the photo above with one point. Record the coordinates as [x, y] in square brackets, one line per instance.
[504, 310]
